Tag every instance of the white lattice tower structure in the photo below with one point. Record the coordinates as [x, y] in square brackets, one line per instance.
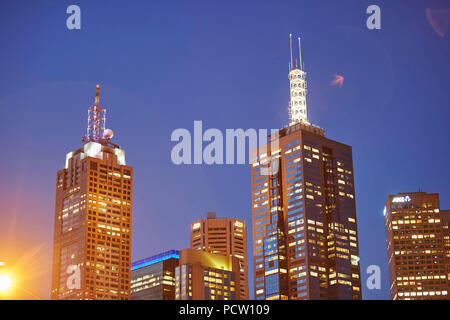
[96, 120]
[298, 88]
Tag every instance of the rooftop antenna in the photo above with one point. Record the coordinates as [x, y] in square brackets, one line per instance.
[96, 120]
[290, 44]
[300, 53]
[297, 79]
[97, 96]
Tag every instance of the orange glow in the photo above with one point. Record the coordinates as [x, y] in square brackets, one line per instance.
[439, 20]
[5, 282]
[338, 80]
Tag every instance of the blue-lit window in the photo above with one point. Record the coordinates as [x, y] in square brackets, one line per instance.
[260, 180]
[294, 179]
[293, 167]
[295, 204]
[297, 185]
[261, 204]
[294, 198]
[270, 245]
[260, 186]
[293, 173]
[271, 264]
[272, 285]
[266, 214]
[295, 217]
[260, 198]
[260, 229]
[291, 144]
[261, 209]
[261, 234]
[257, 223]
[290, 212]
[293, 155]
[299, 235]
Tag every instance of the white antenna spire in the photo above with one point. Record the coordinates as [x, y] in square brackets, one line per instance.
[300, 53]
[297, 80]
[290, 45]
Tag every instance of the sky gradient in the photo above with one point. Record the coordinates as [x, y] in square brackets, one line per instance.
[161, 65]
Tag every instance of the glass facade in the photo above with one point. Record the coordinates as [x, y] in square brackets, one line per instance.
[92, 235]
[154, 278]
[304, 218]
[207, 276]
[417, 239]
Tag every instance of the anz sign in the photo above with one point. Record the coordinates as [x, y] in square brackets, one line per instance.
[401, 199]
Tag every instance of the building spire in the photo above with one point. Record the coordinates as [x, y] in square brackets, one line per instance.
[291, 63]
[97, 96]
[300, 53]
[96, 120]
[297, 80]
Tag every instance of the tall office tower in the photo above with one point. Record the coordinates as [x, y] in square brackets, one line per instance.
[206, 276]
[415, 238]
[154, 278]
[92, 234]
[226, 236]
[305, 241]
[445, 216]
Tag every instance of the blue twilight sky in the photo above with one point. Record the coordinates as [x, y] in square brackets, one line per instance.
[163, 64]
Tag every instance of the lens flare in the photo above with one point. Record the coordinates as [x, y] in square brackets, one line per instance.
[439, 20]
[338, 80]
[5, 282]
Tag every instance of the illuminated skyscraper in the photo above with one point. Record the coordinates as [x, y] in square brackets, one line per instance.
[92, 234]
[206, 276]
[305, 241]
[154, 278]
[416, 245]
[225, 236]
[445, 216]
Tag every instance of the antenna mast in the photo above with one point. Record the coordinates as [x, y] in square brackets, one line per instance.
[96, 120]
[300, 53]
[297, 80]
[290, 45]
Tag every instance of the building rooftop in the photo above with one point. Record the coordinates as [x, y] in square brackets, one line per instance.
[154, 259]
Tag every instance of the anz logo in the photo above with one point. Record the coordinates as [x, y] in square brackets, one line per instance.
[401, 199]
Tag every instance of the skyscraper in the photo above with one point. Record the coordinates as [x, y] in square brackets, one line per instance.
[305, 241]
[445, 216]
[153, 278]
[206, 276]
[92, 233]
[225, 236]
[416, 246]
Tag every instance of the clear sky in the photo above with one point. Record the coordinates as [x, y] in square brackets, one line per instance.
[163, 64]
